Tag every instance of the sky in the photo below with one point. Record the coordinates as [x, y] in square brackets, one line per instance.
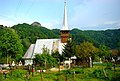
[82, 14]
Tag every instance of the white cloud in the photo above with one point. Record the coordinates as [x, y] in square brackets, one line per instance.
[110, 22]
[92, 13]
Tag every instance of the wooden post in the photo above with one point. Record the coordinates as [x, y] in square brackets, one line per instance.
[7, 58]
[66, 78]
[29, 69]
[74, 76]
[45, 64]
[40, 75]
[26, 76]
[90, 65]
[10, 58]
[10, 69]
[1, 75]
[59, 66]
[32, 70]
[114, 66]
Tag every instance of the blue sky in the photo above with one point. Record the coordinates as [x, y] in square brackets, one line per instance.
[82, 14]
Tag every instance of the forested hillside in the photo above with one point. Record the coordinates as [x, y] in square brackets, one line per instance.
[28, 34]
[110, 38]
[15, 41]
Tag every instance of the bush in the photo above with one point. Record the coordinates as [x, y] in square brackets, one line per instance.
[67, 71]
[97, 73]
[79, 71]
[17, 74]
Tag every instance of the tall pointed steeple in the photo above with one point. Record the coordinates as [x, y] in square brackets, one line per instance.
[65, 23]
[65, 32]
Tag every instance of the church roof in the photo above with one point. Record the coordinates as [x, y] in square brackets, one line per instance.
[51, 44]
[29, 52]
[46, 43]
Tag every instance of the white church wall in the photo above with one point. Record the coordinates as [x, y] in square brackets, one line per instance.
[28, 62]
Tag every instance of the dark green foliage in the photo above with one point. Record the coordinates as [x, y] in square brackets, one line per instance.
[10, 45]
[109, 38]
[98, 73]
[104, 51]
[56, 32]
[56, 55]
[69, 50]
[26, 31]
[67, 72]
[26, 34]
[116, 77]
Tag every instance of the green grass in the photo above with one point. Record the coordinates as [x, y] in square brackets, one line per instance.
[81, 74]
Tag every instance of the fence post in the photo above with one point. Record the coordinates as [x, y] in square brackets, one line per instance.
[66, 78]
[40, 75]
[26, 76]
[74, 76]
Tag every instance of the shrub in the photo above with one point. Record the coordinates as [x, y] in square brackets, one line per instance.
[97, 73]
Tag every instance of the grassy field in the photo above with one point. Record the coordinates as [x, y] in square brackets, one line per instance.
[97, 73]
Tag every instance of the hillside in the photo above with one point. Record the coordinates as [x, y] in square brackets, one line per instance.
[29, 33]
[110, 38]
[16, 40]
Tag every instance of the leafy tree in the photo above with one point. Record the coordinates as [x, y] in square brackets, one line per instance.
[104, 51]
[10, 45]
[86, 51]
[45, 59]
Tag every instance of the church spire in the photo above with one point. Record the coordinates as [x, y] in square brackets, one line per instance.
[65, 24]
[65, 31]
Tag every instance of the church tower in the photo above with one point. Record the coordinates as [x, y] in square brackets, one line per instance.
[65, 32]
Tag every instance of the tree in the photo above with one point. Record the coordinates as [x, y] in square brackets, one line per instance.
[45, 59]
[69, 49]
[56, 55]
[118, 47]
[10, 45]
[86, 51]
[104, 51]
